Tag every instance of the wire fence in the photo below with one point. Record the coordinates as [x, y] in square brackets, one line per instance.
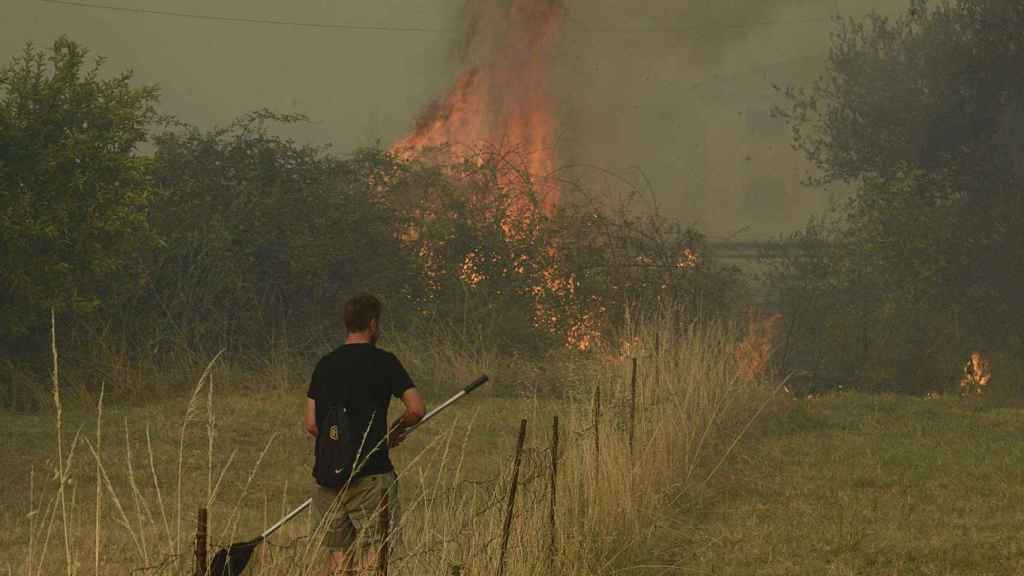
[536, 463]
[533, 489]
[536, 466]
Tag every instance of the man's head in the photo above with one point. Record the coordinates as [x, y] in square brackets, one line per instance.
[362, 316]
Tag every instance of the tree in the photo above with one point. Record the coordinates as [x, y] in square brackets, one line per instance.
[537, 280]
[260, 235]
[623, 253]
[73, 188]
[924, 116]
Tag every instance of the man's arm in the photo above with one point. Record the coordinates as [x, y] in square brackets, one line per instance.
[415, 409]
[314, 392]
[311, 418]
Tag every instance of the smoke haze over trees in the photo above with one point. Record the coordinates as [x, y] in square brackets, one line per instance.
[183, 238]
[235, 237]
[679, 89]
[922, 115]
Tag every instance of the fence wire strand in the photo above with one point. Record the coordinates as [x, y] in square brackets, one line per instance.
[536, 461]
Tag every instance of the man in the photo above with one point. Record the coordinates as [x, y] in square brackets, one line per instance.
[366, 377]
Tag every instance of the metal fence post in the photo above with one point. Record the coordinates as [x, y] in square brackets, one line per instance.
[201, 563]
[554, 489]
[511, 498]
[597, 428]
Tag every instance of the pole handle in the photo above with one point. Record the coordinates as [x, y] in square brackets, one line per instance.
[476, 383]
[472, 386]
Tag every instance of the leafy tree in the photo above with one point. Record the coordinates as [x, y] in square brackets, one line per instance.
[261, 236]
[73, 188]
[922, 115]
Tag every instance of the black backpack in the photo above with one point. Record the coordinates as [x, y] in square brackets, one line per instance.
[336, 447]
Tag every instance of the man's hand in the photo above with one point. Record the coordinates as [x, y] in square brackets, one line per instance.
[415, 408]
[397, 434]
[399, 430]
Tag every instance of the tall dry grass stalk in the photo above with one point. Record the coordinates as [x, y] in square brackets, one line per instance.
[32, 513]
[141, 508]
[116, 500]
[616, 512]
[60, 441]
[190, 414]
[97, 546]
[210, 432]
[167, 539]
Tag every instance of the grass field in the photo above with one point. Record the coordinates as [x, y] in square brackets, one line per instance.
[262, 436]
[858, 484]
[135, 472]
[726, 477]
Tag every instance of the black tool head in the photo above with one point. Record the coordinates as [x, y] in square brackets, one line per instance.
[232, 560]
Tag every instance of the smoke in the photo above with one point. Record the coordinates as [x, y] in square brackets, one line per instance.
[670, 96]
[675, 95]
[677, 89]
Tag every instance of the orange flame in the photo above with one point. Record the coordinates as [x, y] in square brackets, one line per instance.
[502, 106]
[755, 350]
[503, 99]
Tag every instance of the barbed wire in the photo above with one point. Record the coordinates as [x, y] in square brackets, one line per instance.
[536, 463]
[165, 563]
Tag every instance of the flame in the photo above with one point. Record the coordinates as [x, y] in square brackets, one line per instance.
[688, 259]
[503, 99]
[755, 350]
[502, 107]
[470, 273]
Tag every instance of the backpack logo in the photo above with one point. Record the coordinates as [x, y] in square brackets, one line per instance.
[336, 449]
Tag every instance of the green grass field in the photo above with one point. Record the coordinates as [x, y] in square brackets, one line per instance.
[858, 484]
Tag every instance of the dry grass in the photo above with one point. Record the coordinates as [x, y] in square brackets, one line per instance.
[242, 454]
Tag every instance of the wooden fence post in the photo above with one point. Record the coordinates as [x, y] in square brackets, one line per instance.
[632, 407]
[201, 563]
[511, 498]
[597, 428]
[554, 488]
[385, 525]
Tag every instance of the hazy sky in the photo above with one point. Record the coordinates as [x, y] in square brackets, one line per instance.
[676, 88]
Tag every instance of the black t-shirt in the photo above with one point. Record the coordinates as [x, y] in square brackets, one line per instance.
[371, 376]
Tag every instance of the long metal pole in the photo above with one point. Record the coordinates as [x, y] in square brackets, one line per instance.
[472, 386]
[458, 395]
[290, 515]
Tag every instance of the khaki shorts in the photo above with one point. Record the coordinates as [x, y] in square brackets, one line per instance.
[356, 515]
